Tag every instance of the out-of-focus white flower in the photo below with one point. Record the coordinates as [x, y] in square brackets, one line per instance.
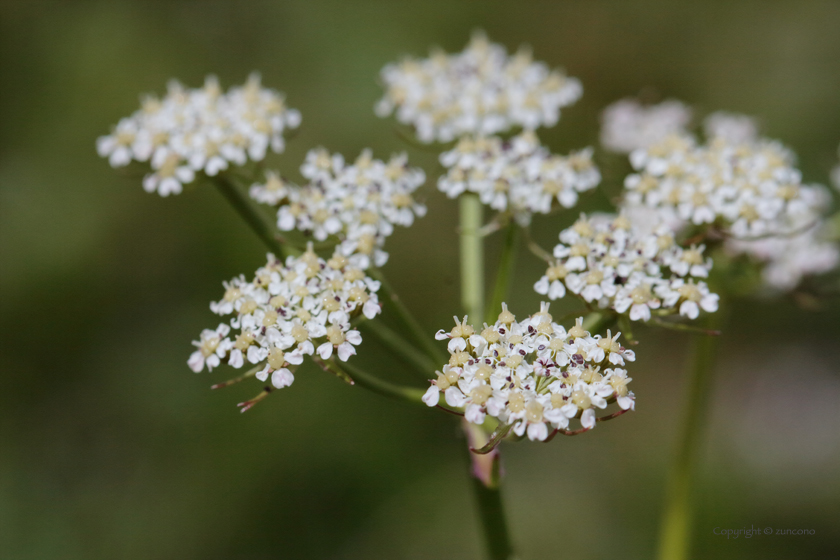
[753, 187]
[608, 262]
[532, 374]
[481, 90]
[199, 130]
[788, 259]
[628, 125]
[288, 311]
[517, 175]
[731, 127]
[274, 191]
[360, 203]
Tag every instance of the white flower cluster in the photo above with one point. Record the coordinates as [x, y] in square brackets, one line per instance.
[360, 203]
[628, 125]
[286, 312]
[481, 90]
[751, 187]
[787, 260]
[517, 175]
[730, 127]
[199, 130]
[532, 374]
[609, 263]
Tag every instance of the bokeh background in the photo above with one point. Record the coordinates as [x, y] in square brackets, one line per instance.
[111, 448]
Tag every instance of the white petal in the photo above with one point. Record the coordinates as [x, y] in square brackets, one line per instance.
[454, 397]
[587, 419]
[626, 403]
[542, 285]
[474, 414]
[457, 344]
[569, 410]
[432, 396]
[196, 361]
[353, 337]
[236, 359]
[255, 355]
[325, 351]
[557, 290]
[371, 309]
[282, 378]
[537, 432]
[346, 350]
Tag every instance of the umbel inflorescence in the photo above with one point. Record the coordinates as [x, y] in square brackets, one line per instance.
[532, 375]
[191, 131]
[481, 90]
[751, 188]
[735, 185]
[358, 203]
[612, 264]
[517, 175]
[289, 310]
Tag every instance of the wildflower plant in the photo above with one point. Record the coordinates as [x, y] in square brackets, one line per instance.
[696, 215]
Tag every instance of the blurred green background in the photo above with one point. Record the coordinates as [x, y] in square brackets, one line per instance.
[111, 448]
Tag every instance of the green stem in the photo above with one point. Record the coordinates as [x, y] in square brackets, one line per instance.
[422, 363]
[486, 482]
[386, 388]
[491, 510]
[486, 479]
[425, 339]
[596, 322]
[503, 275]
[675, 526]
[250, 214]
[472, 258]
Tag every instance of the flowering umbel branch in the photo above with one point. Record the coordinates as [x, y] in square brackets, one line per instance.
[729, 201]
